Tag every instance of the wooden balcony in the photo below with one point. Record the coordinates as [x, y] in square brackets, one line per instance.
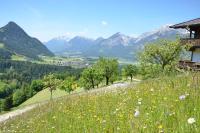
[189, 65]
[190, 41]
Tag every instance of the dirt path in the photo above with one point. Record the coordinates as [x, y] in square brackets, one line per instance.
[17, 112]
[112, 88]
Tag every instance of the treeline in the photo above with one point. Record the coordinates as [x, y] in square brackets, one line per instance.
[21, 80]
[104, 72]
[28, 71]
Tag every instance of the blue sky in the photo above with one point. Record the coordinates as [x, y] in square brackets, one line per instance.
[46, 19]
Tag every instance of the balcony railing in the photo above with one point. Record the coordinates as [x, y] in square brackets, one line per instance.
[186, 64]
[190, 41]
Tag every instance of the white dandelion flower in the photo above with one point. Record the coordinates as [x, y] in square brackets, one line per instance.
[182, 97]
[191, 120]
[137, 113]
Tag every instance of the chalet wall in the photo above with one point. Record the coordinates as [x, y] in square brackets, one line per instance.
[196, 55]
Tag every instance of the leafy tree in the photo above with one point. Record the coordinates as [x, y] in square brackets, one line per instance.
[51, 83]
[6, 103]
[108, 67]
[5, 91]
[161, 54]
[91, 77]
[130, 71]
[37, 85]
[18, 97]
[68, 84]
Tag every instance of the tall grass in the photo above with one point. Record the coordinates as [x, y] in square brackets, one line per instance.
[159, 105]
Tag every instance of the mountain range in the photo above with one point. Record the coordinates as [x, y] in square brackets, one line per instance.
[117, 45]
[15, 41]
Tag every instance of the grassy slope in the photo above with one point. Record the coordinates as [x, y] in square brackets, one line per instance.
[44, 95]
[18, 58]
[157, 101]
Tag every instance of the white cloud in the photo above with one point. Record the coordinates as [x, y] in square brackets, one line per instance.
[104, 23]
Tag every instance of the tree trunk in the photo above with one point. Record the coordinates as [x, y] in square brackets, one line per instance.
[93, 84]
[51, 93]
[131, 78]
[107, 80]
[163, 65]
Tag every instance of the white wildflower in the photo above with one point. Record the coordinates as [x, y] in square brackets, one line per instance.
[191, 120]
[182, 97]
[137, 113]
[152, 90]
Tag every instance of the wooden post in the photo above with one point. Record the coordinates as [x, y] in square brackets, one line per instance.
[192, 55]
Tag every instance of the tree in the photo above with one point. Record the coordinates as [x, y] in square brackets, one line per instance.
[162, 53]
[130, 71]
[108, 67]
[51, 83]
[37, 85]
[6, 103]
[91, 77]
[68, 84]
[18, 97]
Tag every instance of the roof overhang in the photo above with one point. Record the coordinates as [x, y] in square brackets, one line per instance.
[187, 24]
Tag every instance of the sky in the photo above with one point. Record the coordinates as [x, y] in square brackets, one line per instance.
[46, 19]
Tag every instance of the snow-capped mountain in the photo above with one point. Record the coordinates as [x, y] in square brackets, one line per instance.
[162, 32]
[116, 40]
[118, 45]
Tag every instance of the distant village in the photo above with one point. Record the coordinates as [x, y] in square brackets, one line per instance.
[78, 64]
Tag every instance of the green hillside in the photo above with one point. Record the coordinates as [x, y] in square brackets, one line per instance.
[167, 104]
[44, 95]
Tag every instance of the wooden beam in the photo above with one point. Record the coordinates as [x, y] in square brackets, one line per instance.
[192, 55]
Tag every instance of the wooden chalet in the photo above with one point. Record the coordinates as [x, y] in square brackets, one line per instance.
[193, 26]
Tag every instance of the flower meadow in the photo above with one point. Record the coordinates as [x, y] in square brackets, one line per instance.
[165, 105]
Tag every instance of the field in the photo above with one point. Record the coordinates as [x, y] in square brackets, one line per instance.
[19, 58]
[167, 104]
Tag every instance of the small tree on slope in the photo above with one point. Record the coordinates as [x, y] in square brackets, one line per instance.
[51, 83]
